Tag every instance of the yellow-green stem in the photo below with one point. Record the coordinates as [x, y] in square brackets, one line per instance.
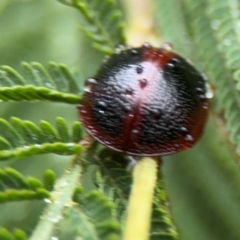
[140, 203]
[140, 26]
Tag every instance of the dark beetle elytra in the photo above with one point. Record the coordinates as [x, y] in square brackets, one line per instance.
[145, 101]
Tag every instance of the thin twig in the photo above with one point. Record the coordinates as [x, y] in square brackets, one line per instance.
[61, 196]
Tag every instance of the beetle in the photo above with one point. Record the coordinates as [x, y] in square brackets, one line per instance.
[145, 101]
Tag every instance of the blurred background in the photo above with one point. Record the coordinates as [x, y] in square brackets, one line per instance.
[201, 182]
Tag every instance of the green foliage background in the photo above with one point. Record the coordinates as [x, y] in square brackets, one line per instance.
[25, 36]
[203, 183]
[43, 31]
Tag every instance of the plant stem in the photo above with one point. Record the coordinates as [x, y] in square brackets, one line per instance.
[140, 25]
[62, 195]
[140, 202]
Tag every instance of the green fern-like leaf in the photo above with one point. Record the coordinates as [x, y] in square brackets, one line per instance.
[113, 179]
[76, 224]
[201, 25]
[162, 226]
[227, 96]
[112, 165]
[19, 195]
[224, 17]
[49, 179]
[17, 234]
[103, 23]
[211, 27]
[15, 187]
[20, 138]
[225, 21]
[38, 83]
[94, 217]
[115, 183]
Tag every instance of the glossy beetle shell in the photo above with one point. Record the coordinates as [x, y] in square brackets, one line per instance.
[145, 101]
